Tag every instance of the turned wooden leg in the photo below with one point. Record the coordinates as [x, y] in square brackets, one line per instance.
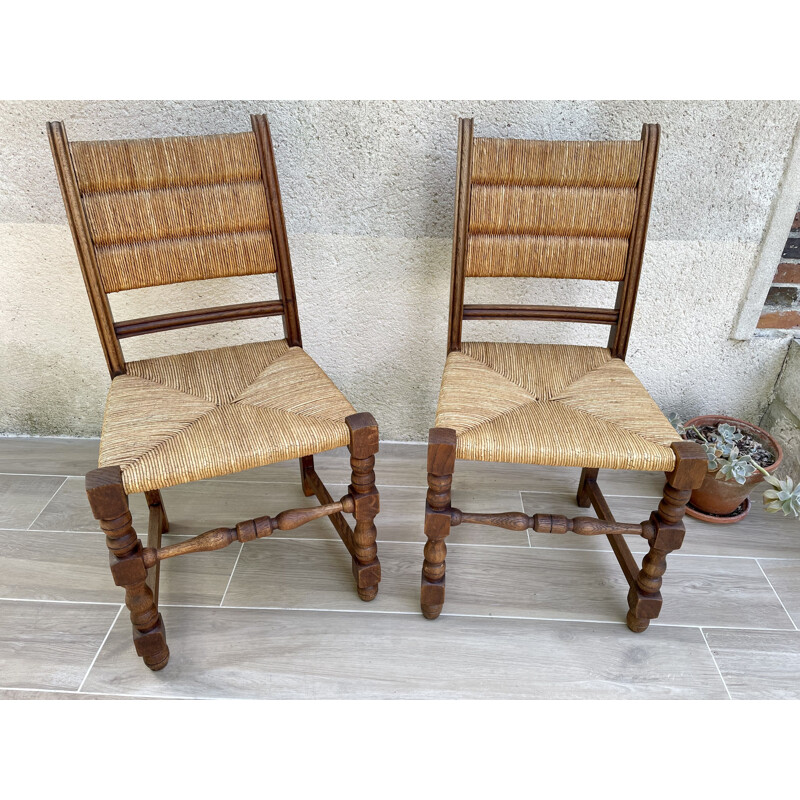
[583, 498]
[110, 506]
[644, 598]
[366, 502]
[441, 463]
[306, 466]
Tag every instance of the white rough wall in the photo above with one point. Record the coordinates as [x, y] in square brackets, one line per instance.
[368, 196]
[782, 418]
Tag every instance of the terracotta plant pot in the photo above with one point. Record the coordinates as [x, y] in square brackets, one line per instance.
[716, 498]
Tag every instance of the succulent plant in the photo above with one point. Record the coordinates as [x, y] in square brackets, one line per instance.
[736, 467]
[725, 437]
[784, 497]
[723, 455]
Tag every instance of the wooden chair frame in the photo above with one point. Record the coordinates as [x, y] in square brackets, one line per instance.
[136, 568]
[664, 530]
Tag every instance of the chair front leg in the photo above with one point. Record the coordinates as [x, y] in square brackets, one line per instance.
[644, 598]
[109, 504]
[441, 463]
[366, 501]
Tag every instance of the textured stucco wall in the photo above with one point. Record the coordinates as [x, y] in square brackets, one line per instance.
[368, 195]
[782, 418]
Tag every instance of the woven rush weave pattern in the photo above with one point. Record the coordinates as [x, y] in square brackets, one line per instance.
[556, 405]
[135, 164]
[551, 209]
[187, 417]
[531, 162]
[546, 257]
[179, 209]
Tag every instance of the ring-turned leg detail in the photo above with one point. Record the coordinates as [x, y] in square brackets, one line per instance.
[644, 598]
[366, 501]
[109, 505]
[441, 463]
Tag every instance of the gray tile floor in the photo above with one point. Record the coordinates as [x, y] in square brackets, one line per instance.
[527, 615]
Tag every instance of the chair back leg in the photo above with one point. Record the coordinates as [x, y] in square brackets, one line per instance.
[584, 498]
[306, 470]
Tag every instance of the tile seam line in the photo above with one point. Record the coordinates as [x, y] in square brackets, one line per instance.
[527, 530]
[105, 694]
[713, 658]
[60, 486]
[102, 644]
[474, 616]
[791, 619]
[411, 613]
[56, 602]
[230, 577]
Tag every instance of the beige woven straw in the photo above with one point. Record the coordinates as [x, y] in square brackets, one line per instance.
[198, 415]
[546, 257]
[179, 209]
[557, 405]
[551, 209]
[531, 162]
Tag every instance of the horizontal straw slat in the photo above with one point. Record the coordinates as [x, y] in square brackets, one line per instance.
[160, 262]
[588, 258]
[523, 162]
[127, 217]
[551, 211]
[137, 164]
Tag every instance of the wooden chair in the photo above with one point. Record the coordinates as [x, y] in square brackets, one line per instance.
[159, 211]
[543, 209]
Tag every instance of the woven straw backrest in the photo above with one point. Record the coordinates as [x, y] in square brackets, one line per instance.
[551, 209]
[170, 210]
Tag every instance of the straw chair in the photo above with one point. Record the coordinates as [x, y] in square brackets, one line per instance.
[574, 210]
[159, 211]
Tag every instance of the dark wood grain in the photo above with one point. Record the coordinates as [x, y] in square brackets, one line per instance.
[668, 532]
[202, 316]
[79, 226]
[245, 531]
[363, 446]
[109, 505]
[599, 316]
[441, 463]
[460, 233]
[620, 334]
[277, 226]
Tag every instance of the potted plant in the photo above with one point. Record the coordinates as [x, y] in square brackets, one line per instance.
[740, 456]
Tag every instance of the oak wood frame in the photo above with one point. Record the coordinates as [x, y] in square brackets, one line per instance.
[664, 530]
[136, 567]
[619, 318]
[111, 332]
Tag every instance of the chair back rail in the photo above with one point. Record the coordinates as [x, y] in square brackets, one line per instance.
[575, 210]
[149, 212]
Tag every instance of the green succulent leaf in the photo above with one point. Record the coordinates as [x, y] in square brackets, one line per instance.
[736, 468]
[784, 497]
